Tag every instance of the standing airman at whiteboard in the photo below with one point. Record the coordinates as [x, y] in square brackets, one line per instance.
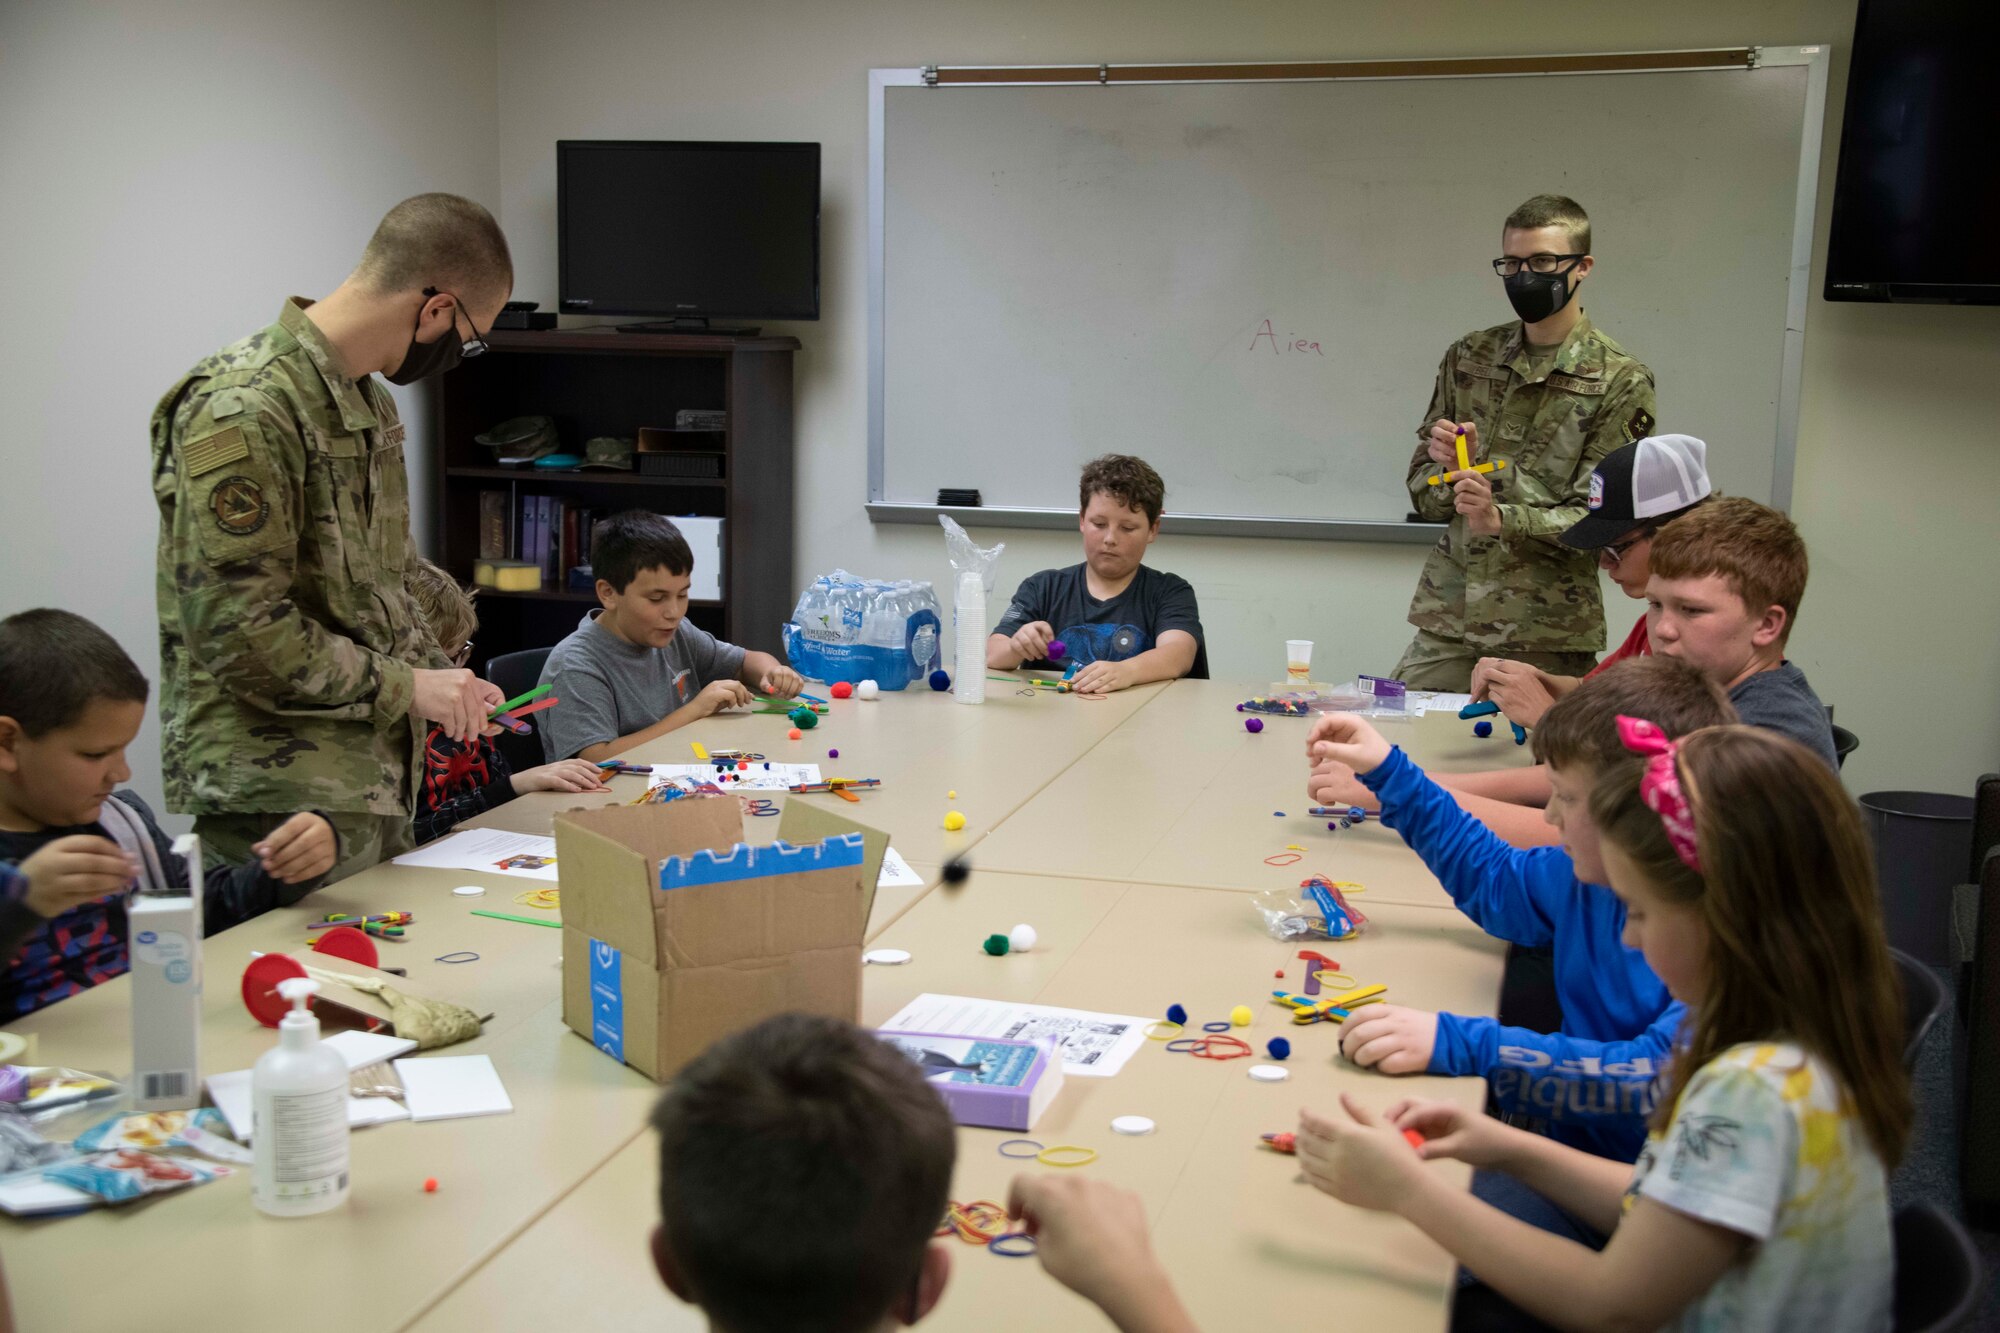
[1545, 396]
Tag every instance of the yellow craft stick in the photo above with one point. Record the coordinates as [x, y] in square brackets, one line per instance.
[700, 751]
[1464, 459]
[1364, 995]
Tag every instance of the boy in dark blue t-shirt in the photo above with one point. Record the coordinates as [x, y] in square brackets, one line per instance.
[1120, 624]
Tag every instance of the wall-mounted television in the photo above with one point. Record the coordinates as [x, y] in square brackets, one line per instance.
[1918, 192]
[688, 231]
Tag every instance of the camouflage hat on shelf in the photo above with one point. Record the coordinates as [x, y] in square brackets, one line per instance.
[608, 451]
[521, 439]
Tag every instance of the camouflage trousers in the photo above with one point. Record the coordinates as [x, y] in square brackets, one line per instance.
[1434, 663]
[364, 839]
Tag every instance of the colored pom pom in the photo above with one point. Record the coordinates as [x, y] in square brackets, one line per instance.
[940, 681]
[1022, 937]
[804, 718]
[430, 1184]
[954, 821]
[1277, 1048]
[1058, 650]
[956, 872]
[1177, 1014]
[1482, 729]
[841, 690]
[995, 945]
[1253, 724]
[833, 754]
[868, 689]
[1240, 1015]
[793, 734]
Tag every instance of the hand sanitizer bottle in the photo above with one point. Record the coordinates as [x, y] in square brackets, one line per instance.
[298, 1131]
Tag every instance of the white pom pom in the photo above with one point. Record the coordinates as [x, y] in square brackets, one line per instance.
[1021, 938]
[867, 689]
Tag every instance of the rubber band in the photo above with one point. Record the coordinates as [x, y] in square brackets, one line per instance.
[1023, 1242]
[1233, 1048]
[1046, 1154]
[547, 899]
[1167, 1023]
[1034, 1149]
[1220, 1025]
[762, 807]
[1337, 980]
[1284, 859]
[975, 1223]
[1182, 1045]
[462, 956]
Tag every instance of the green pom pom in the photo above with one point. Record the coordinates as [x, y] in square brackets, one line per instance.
[804, 718]
[995, 945]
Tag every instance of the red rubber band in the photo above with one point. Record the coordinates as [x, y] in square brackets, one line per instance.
[1284, 859]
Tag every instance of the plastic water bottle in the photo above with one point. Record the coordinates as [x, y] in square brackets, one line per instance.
[969, 628]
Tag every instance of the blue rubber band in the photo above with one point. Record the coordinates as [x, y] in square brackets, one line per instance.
[1037, 1149]
[1220, 1025]
[1021, 1238]
[1183, 1045]
[462, 956]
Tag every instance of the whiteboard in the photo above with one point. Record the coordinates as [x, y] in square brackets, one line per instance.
[1251, 284]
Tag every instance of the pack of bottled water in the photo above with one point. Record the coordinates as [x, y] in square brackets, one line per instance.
[854, 629]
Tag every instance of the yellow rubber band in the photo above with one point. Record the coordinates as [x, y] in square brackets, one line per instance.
[549, 899]
[1167, 1023]
[1337, 980]
[1046, 1153]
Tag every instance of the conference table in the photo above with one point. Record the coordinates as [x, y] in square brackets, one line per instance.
[1130, 832]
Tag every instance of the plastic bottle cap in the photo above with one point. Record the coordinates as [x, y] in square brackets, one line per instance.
[1132, 1124]
[469, 890]
[1270, 1073]
[886, 957]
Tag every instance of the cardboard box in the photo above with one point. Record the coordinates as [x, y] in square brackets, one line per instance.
[652, 976]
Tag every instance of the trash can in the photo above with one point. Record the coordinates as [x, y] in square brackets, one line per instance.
[1923, 843]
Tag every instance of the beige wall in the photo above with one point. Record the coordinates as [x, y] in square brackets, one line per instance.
[168, 175]
[1901, 627]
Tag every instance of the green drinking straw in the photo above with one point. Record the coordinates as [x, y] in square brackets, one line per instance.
[524, 920]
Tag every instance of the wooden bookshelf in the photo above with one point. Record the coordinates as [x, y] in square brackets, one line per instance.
[601, 382]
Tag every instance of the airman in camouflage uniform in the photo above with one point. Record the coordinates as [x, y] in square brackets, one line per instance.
[287, 641]
[1520, 594]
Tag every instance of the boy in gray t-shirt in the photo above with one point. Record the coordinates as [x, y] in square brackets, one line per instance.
[637, 669]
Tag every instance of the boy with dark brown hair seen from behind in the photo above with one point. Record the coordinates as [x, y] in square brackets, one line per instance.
[809, 1117]
[1118, 622]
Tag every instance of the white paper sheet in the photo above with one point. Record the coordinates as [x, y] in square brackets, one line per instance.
[444, 1087]
[494, 851]
[896, 873]
[758, 777]
[1432, 702]
[1093, 1045]
[231, 1094]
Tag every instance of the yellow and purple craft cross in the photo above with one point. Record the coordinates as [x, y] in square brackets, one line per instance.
[1465, 463]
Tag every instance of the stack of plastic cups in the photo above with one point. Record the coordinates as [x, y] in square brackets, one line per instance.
[969, 613]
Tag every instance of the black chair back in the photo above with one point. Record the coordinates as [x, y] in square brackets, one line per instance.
[516, 673]
[1923, 1001]
[1845, 743]
[1938, 1276]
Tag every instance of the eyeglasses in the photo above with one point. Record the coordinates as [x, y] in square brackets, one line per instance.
[1617, 551]
[1507, 265]
[476, 345]
[463, 655]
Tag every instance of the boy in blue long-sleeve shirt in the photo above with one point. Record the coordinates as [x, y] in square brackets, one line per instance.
[1590, 1085]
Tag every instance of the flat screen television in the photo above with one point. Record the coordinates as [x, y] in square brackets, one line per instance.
[1919, 184]
[688, 230]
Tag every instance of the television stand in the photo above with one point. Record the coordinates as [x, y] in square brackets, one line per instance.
[696, 325]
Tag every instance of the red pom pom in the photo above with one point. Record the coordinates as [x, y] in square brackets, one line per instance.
[841, 690]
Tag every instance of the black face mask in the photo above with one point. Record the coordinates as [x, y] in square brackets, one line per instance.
[1536, 296]
[424, 360]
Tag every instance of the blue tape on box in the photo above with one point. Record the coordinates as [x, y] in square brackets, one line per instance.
[607, 1001]
[746, 862]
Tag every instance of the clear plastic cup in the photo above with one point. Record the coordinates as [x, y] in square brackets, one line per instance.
[1298, 660]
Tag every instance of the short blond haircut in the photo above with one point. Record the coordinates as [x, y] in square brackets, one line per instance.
[439, 240]
[1553, 210]
[446, 607]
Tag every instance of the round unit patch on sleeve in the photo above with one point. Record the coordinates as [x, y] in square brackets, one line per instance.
[239, 506]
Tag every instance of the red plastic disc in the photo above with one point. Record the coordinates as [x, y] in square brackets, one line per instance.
[260, 986]
[349, 943]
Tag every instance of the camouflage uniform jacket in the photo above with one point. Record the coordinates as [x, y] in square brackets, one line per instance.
[286, 637]
[1522, 589]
